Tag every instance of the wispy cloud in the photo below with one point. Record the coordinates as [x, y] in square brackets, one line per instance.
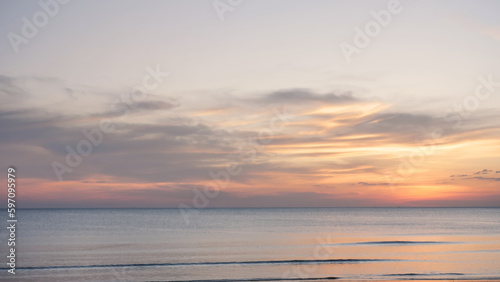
[333, 139]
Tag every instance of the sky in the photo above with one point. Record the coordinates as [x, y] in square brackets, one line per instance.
[262, 103]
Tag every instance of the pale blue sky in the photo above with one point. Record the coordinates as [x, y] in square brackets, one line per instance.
[431, 49]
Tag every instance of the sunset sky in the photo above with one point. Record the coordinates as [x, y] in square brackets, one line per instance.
[264, 95]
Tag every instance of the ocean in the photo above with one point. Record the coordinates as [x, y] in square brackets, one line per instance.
[275, 244]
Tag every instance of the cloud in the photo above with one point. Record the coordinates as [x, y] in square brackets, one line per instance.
[9, 87]
[485, 178]
[153, 105]
[172, 195]
[291, 96]
[480, 172]
[182, 141]
[28, 126]
[373, 184]
[484, 171]
[402, 126]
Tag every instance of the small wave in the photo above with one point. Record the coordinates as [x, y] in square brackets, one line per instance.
[261, 279]
[298, 261]
[425, 274]
[400, 242]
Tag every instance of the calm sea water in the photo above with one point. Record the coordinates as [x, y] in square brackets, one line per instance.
[256, 244]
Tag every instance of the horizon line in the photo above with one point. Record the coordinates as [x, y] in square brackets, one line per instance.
[207, 208]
